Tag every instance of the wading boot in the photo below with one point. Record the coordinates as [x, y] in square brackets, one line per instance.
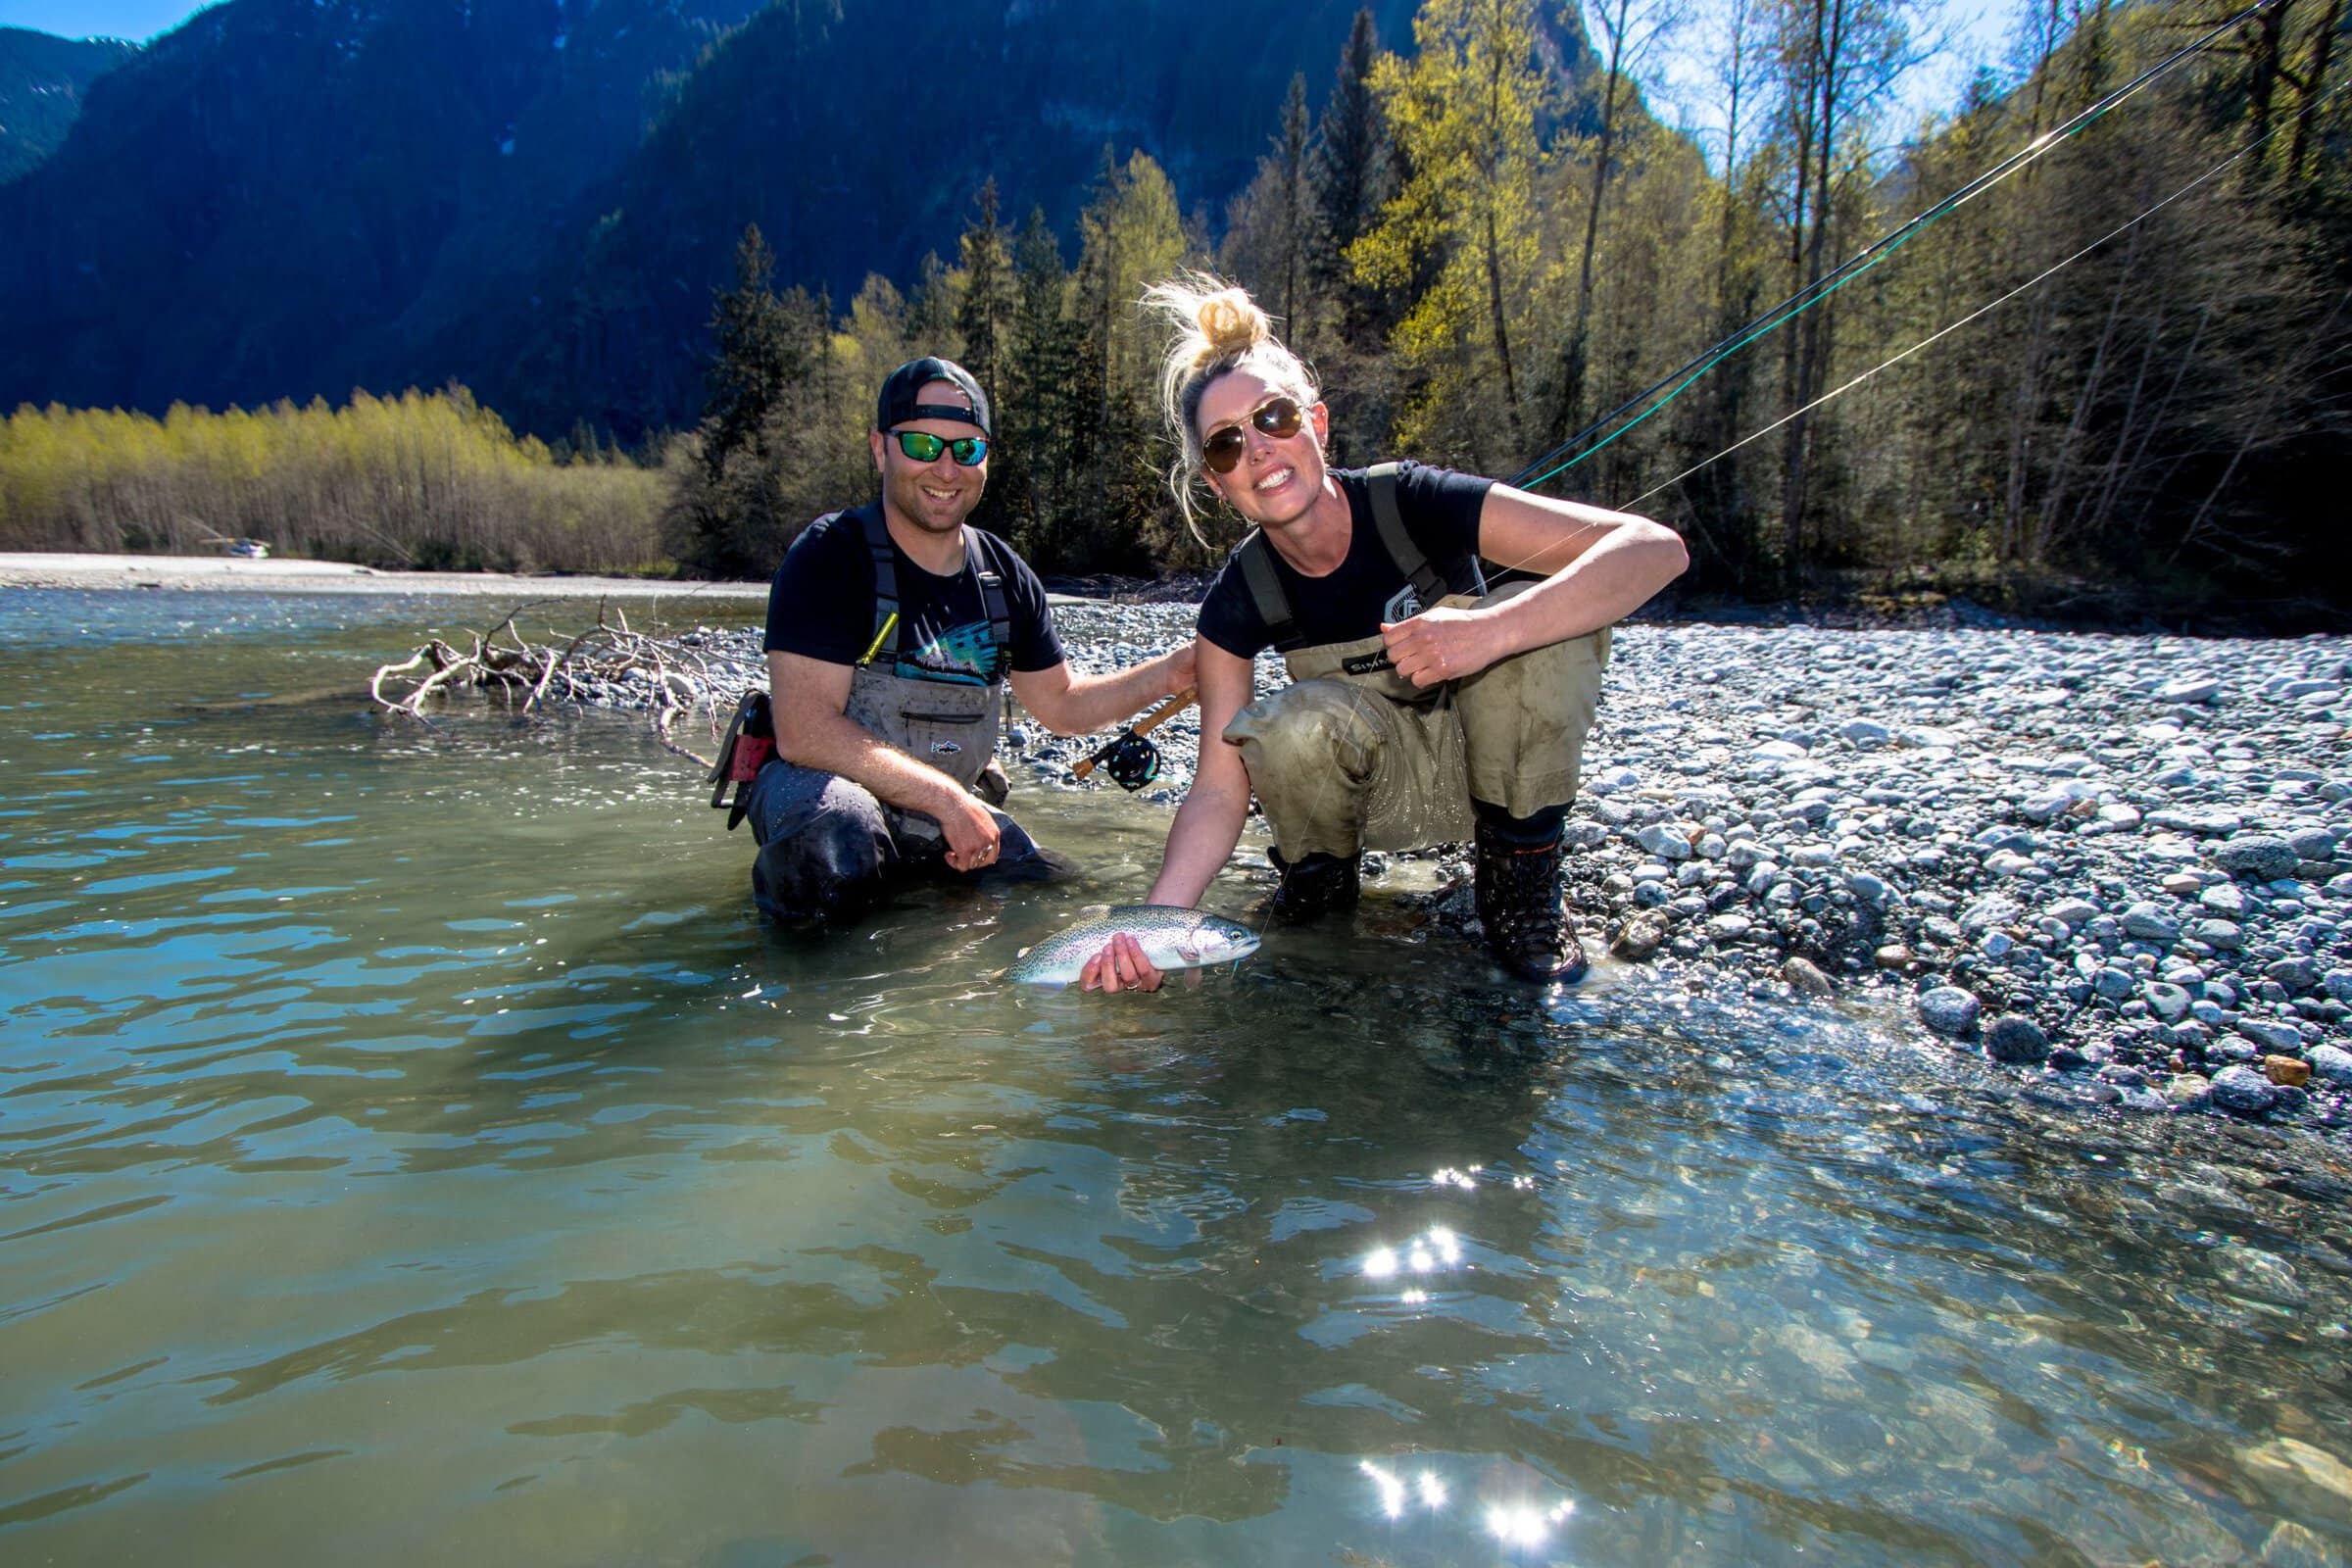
[1522, 905]
[1317, 886]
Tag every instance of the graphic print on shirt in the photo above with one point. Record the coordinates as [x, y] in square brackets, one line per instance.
[962, 656]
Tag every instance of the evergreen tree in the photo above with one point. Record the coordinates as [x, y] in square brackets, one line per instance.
[1350, 175]
[985, 306]
[1132, 235]
[754, 355]
[1270, 228]
[1042, 423]
[931, 310]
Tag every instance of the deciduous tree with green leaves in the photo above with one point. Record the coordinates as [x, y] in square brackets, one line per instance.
[1463, 113]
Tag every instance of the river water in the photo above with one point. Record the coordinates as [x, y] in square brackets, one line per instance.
[413, 1148]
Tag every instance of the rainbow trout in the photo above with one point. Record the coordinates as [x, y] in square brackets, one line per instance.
[1173, 938]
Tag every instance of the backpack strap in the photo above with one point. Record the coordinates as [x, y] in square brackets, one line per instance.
[1273, 606]
[1427, 580]
[886, 586]
[1000, 613]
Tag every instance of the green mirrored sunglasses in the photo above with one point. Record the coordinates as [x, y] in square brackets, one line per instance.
[968, 451]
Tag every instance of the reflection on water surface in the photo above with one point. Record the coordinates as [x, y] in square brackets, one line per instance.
[411, 1145]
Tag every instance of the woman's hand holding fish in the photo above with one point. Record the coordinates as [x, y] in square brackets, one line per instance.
[1441, 644]
[1120, 967]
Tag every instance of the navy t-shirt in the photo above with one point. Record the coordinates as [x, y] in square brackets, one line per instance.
[821, 606]
[1440, 509]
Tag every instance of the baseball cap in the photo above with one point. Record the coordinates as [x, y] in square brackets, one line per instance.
[898, 401]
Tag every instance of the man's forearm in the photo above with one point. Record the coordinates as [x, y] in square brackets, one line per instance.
[836, 744]
[1098, 702]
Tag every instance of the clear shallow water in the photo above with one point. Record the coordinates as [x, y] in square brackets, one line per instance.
[412, 1148]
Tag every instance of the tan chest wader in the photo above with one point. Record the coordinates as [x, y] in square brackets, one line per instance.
[1353, 755]
[949, 725]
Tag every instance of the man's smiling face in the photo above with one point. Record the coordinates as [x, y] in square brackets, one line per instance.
[933, 497]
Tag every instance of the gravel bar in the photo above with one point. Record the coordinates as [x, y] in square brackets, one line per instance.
[2115, 865]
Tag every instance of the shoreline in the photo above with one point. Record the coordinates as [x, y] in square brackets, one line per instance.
[284, 575]
[1853, 609]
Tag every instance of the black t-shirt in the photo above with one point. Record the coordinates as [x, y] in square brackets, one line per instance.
[821, 606]
[1440, 509]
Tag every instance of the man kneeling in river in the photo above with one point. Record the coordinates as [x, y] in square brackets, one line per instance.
[892, 629]
[1423, 708]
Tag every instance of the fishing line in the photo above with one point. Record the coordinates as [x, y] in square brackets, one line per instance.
[1984, 309]
[1861, 262]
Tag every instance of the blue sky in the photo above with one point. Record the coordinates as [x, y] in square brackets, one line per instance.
[135, 19]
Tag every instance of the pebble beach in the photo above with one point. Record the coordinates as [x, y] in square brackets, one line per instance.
[2120, 867]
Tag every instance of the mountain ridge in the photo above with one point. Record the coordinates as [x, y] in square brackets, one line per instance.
[42, 80]
[287, 199]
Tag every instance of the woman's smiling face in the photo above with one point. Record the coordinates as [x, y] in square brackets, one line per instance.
[1278, 477]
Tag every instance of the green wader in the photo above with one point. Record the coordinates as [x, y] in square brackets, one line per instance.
[1342, 762]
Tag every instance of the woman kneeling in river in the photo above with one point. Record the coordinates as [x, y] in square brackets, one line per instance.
[1423, 708]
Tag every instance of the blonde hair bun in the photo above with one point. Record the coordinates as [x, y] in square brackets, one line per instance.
[1232, 324]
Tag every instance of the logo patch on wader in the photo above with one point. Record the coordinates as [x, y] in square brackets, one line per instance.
[945, 748]
[1404, 604]
[1366, 664]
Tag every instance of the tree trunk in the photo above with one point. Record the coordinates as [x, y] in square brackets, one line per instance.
[1573, 357]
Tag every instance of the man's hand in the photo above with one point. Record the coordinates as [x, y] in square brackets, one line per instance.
[1121, 966]
[971, 833]
[1441, 644]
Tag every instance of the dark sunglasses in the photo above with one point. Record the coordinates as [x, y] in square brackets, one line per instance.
[1277, 416]
[968, 451]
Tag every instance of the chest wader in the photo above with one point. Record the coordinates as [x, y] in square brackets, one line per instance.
[1353, 755]
[949, 725]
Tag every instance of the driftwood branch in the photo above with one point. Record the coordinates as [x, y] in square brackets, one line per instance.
[606, 665]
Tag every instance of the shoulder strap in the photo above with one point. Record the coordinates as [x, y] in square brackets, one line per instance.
[1427, 580]
[885, 585]
[1000, 613]
[1273, 606]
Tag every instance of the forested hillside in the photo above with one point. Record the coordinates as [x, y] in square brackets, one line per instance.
[289, 198]
[42, 80]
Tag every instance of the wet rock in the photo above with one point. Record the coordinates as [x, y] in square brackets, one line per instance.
[2017, 1039]
[2244, 1089]
[1641, 935]
[2332, 1063]
[2290, 1072]
[2295, 1546]
[1950, 1010]
[2301, 1467]
[1806, 977]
